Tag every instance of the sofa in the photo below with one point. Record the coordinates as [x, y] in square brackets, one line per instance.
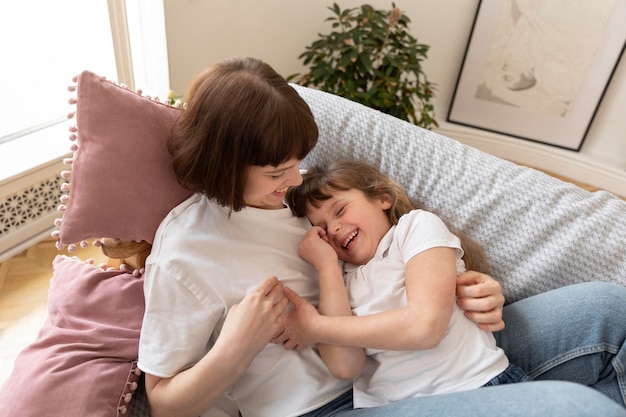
[539, 233]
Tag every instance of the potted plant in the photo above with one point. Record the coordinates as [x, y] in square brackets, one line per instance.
[370, 57]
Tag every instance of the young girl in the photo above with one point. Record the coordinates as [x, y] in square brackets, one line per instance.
[400, 270]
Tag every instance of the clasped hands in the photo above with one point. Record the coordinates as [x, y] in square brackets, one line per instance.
[277, 314]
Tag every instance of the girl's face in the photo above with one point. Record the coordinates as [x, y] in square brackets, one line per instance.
[354, 224]
[267, 185]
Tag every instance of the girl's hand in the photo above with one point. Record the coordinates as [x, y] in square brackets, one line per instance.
[481, 298]
[250, 324]
[315, 248]
[299, 321]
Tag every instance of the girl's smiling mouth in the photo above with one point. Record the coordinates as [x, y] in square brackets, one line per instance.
[346, 243]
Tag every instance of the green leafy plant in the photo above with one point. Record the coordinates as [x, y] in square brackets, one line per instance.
[370, 57]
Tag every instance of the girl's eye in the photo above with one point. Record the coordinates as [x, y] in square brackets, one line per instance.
[340, 210]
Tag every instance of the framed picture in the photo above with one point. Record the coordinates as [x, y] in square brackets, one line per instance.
[537, 70]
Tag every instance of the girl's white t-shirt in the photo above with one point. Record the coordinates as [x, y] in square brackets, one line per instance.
[205, 259]
[467, 358]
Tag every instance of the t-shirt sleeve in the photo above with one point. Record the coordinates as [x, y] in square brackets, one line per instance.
[421, 230]
[168, 344]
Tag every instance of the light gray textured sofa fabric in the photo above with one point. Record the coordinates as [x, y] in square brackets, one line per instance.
[540, 233]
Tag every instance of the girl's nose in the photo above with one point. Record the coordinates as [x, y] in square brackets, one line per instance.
[334, 227]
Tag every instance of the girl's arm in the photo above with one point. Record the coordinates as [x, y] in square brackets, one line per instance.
[430, 285]
[343, 362]
[248, 327]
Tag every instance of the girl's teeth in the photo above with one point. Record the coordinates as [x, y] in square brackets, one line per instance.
[349, 239]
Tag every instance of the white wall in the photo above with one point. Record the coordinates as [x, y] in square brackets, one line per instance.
[200, 32]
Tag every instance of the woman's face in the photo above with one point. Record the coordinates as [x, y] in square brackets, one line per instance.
[354, 223]
[267, 185]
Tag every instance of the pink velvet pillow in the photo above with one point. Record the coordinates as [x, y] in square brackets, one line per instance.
[121, 183]
[83, 362]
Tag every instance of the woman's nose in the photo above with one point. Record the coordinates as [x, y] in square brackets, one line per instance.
[295, 178]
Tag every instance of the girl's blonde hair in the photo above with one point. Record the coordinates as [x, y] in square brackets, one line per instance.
[319, 183]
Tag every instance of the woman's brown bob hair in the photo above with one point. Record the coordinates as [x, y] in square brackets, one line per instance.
[318, 185]
[239, 113]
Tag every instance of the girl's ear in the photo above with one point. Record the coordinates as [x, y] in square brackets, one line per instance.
[385, 201]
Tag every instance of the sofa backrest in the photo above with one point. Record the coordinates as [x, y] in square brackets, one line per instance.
[539, 232]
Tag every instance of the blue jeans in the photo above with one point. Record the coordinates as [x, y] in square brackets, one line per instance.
[530, 399]
[575, 333]
[511, 375]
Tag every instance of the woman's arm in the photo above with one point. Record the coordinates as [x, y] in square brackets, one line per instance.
[248, 327]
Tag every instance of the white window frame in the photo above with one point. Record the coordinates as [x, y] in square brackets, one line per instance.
[138, 63]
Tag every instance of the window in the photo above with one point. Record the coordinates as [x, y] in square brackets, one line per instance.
[45, 43]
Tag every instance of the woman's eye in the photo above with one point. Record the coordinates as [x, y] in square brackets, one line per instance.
[275, 177]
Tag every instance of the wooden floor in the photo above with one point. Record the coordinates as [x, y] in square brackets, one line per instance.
[24, 281]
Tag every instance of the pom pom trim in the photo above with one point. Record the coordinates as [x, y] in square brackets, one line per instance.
[74, 137]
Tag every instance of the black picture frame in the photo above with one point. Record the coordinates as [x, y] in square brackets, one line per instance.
[538, 70]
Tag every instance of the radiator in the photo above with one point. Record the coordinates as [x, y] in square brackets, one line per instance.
[28, 208]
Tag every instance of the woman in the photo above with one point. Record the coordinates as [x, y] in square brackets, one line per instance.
[211, 309]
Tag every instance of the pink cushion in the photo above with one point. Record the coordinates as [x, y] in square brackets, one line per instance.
[83, 361]
[122, 184]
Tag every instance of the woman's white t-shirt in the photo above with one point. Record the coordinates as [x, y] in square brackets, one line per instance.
[467, 357]
[203, 261]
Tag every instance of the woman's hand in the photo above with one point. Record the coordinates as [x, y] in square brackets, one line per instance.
[481, 298]
[259, 317]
